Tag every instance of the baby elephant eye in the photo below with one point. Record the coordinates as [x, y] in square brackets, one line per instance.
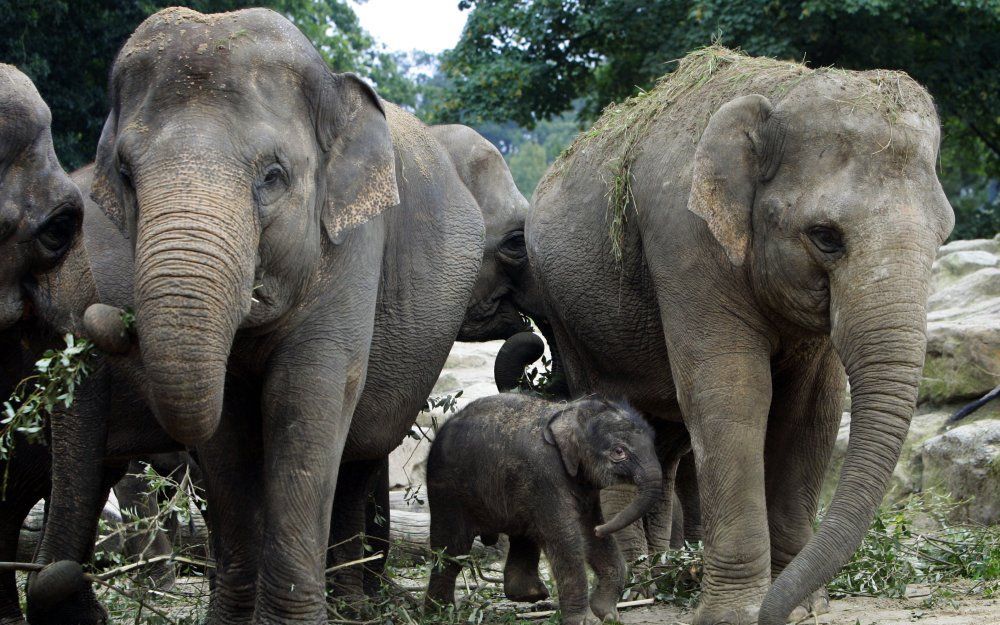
[618, 453]
[827, 240]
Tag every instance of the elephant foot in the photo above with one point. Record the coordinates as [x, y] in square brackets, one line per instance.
[815, 604]
[746, 615]
[524, 588]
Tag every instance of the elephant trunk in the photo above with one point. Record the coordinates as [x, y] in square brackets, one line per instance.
[194, 268]
[878, 325]
[648, 479]
[517, 352]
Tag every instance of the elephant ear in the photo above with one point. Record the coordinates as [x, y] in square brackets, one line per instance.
[106, 187]
[562, 431]
[740, 147]
[360, 163]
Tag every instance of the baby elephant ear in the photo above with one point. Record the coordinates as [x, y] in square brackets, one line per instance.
[360, 163]
[562, 431]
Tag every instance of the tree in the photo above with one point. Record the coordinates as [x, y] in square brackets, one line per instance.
[528, 60]
[67, 48]
[527, 166]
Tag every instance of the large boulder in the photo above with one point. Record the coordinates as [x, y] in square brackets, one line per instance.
[965, 462]
[963, 323]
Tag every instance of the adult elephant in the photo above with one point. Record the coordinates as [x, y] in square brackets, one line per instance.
[287, 321]
[772, 227]
[500, 293]
[40, 214]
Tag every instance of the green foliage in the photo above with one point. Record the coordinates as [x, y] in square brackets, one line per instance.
[895, 553]
[39, 396]
[528, 60]
[67, 48]
[527, 166]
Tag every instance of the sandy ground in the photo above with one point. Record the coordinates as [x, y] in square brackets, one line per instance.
[857, 611]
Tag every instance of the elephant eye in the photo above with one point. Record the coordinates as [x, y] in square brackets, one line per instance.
[271, 184]
[126, 175]
[58, 231]
[618, 453]
[826, 239]
[273, 175]
[512, 246]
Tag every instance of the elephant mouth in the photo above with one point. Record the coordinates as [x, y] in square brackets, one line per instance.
[494, 319]
[16, 306]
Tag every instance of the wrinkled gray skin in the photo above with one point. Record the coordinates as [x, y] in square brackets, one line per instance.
[90, 447]
[40, 208]
[493, 313]
[290, 315]
[532, 469]
[500, 291]
[789, 237]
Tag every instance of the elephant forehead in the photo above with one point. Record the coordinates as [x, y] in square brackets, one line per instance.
[195, 51]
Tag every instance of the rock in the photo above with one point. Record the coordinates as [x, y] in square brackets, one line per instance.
[965, 462]
[907, 478]
[963, 323]
[952, 267]
[970, 245]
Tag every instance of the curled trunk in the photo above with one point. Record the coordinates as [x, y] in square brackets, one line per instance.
[649, 482]
[517, 352]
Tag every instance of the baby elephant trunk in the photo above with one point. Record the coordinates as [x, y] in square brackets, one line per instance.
[649, 481]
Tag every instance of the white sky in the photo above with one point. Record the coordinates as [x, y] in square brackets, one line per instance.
[404, 25]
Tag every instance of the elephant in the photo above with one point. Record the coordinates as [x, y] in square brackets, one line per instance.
[107, 332]
[772, 236]
[498, 297]
[299, 279]
[40, 215]
[533, 469]
[500, 294]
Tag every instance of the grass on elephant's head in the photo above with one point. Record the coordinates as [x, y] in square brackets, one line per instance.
[687, 97]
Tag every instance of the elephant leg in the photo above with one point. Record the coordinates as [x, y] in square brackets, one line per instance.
[725, 398]
[81, 480]
[231, 468]
[305, 427]
[677, 523]
[672, 442]
[802, 429]
[609, 568]
[566, 551]
[686, 487]
[347, 528]
[451, 536]
[377, 520]
[27, 482]
[520, 572]
[632, 539]
[148, 540]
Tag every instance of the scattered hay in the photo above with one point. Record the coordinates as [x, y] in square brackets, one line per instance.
[687, 97]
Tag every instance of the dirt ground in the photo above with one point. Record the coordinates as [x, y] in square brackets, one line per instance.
[856, 611]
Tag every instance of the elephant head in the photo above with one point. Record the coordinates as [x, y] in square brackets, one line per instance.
[40, 208]
[237, 163]
[828, 200]
[495, 310]
[607, 444]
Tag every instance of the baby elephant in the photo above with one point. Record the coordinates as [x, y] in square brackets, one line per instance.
[533, 470]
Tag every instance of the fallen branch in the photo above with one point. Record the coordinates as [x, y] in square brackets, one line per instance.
[621, 606]
[337, 567]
